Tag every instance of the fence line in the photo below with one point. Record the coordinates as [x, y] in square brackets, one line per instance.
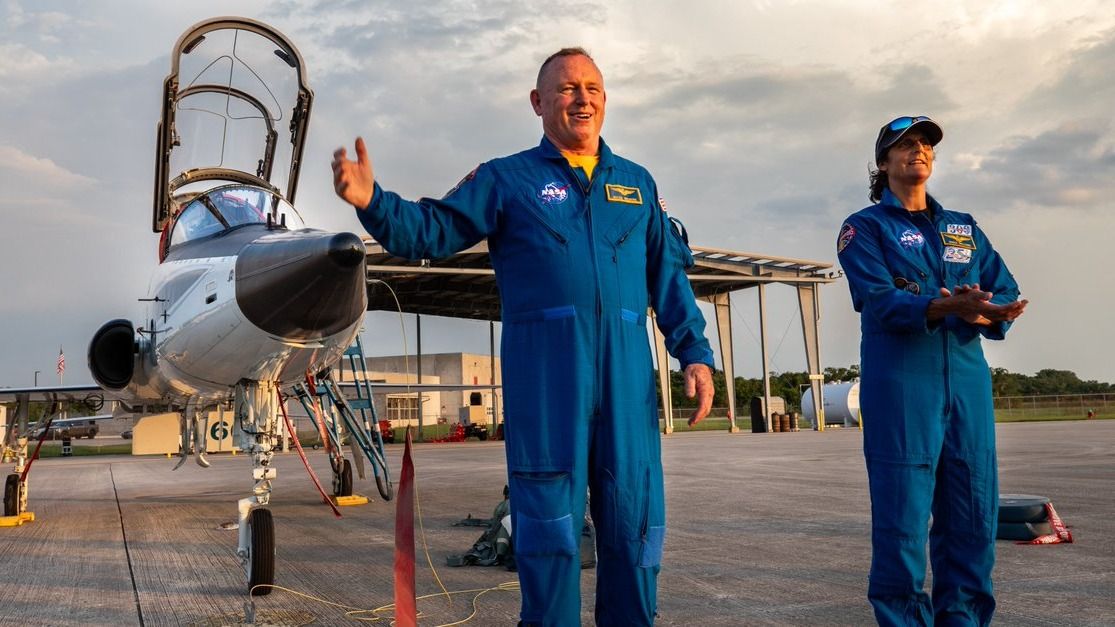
[1061, 404]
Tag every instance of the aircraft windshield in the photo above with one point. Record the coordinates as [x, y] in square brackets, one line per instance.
[225, 208]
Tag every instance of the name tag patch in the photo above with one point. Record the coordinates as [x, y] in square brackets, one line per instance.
[958, 240]
[958, 255]
[620, 193]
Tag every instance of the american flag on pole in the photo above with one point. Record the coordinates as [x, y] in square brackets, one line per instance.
[61, 361]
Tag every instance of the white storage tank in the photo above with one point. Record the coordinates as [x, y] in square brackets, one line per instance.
[841, 404]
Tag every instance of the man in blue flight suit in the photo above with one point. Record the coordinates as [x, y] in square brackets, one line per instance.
[580, 247]
[927, 285]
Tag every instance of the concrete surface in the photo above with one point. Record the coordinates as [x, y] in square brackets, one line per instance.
[768, 529]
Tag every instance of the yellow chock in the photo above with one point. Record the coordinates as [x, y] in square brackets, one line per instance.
[17, 520]
[346, 501]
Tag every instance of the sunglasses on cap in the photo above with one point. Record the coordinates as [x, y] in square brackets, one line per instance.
[907, 121]
[894, 130]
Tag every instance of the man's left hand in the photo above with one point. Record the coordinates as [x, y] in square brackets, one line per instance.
[698, 383]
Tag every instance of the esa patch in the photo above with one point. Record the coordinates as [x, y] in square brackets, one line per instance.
[553, 193]
[959, 229]
[956, 254]
[958, 240]
[911, 239]
[845, 237]
[624, 194]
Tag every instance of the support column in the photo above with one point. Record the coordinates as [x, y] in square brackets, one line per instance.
[766, 366]
[723, 304]
[662, 359]
[418, 349]
[811, 331]
[492, 360]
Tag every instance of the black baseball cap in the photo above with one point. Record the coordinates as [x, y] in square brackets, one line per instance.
[895, 129]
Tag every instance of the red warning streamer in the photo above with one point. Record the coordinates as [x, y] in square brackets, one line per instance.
[1061, 533]
[305, 462]
[406, 606]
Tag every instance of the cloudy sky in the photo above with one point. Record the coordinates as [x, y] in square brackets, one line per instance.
[757, 118]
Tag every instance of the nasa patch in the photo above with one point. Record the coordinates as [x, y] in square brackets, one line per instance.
[955, 254]
[553, 193]
[846, 234]
[959, 229]
[911, 239]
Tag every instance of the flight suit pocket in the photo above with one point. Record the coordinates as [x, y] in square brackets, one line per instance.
[901, 496]
[650, 553]
[543, 520]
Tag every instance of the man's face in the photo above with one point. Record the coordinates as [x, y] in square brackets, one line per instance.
[910, 160]
[570, 98]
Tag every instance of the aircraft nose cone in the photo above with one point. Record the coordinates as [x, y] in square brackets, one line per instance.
[302, 285]
[346, 250]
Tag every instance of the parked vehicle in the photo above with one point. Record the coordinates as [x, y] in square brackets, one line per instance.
[72, 429]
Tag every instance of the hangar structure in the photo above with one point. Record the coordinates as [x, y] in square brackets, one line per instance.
[464, 286]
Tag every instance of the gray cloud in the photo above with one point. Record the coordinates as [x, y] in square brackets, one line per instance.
[761, 149]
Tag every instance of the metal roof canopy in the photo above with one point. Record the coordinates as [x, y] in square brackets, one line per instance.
[464, 286]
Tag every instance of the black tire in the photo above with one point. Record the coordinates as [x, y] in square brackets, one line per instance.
[386, 490]
[11, 495]
[379, 469]
[342, 481]
[1022, 508]
[261, 560]
[1022, 531]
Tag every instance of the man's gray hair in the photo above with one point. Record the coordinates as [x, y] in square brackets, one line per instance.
[564, 52]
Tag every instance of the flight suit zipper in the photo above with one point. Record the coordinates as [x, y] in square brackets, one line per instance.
[587, 191]
[946, 375]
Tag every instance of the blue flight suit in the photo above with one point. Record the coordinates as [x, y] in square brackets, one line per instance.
[928, 421]
[577, 263]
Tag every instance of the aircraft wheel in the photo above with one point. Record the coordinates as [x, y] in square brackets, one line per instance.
[261, 560]
[342, 481]
[11, 495]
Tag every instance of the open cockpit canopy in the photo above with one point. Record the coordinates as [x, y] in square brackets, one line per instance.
[235, 111]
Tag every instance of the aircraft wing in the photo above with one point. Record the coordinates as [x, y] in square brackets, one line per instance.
[70, 393]
[423, 387]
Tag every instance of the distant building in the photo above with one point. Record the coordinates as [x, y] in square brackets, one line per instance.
[402, 408]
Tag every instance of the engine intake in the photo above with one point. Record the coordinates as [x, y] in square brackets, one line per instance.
[112, 354]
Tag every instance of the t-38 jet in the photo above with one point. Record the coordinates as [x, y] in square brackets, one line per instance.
[244, 301]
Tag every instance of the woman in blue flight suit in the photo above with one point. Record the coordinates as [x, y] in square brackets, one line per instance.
[927, 284]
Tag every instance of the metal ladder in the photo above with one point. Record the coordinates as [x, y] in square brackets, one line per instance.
[339, 415]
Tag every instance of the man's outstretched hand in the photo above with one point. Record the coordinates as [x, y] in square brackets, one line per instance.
[353, 180]
[698, 383]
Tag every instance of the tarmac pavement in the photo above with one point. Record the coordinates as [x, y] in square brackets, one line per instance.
[764, 529]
